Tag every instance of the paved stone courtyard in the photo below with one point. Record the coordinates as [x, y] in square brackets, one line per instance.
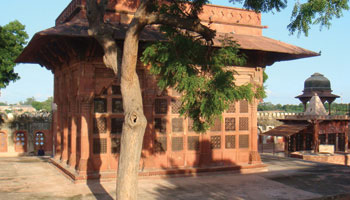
[287, 178]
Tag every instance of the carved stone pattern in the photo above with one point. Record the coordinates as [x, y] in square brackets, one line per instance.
[160, 144]
[244, 141]
[193, 143]
[177, 144]
[230, 124]
[215, 142]
[243, 106]
[116, 90]
[117, 125]
[217, 125]
[99, 145]
[68, 11]
[117, 105]
[175, 106]
[115, 145]
[243, 123]
[177, 125]
[100, 105]
[231, 108]
[230, 141]
[100, 125]
[160, 125]
[161, 106]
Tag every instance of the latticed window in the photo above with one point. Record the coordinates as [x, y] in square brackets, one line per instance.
[244, 141]
[116, 90]
[3, 142]
[217, 125]
[231, 108]
[230, 141]
[100, 125]
[115, 145]
[100, 105]
[161, 106]
[177, 125]
[117, 125]
[20, 138]
[117, 105]
[175, 106]
[193, 143]
[39, 139]
[99, 145]
[160, 144]
[243, 106]
[243, 123]
[160, 125]
[230, 124]
[215, 142]
[177, 144]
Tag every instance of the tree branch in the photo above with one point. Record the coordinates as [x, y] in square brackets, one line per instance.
[103, 33]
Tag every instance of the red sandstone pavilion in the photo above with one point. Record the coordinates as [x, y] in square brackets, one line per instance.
[88, 121]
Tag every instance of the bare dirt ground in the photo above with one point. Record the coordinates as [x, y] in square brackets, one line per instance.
[287, 178]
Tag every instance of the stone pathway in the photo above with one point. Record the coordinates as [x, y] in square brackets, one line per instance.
[34, 178]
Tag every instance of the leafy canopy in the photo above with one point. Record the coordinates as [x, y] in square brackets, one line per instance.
[39, 105]
[12, 40]
[198, 71]
[310, 12]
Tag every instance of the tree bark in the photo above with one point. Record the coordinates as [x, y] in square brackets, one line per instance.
[134, 121]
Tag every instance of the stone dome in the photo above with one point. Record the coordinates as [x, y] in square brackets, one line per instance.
[317, 82]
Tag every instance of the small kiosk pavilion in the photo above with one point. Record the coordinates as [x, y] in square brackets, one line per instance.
[315, 127]
[87, 124]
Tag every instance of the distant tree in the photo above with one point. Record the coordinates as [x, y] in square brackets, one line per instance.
[44, 105]
[28, 101]
[12, 40]
[3, 104]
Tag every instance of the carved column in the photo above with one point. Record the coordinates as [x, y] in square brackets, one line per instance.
[254, 156]
[346, 135]
[73, 135]
[84, 138]
[86, 91]
[65, 131]
[315, 133]
[57, 115]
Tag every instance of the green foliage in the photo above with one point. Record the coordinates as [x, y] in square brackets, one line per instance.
[336, 108]
[28, 101]
[267, 106]
[12, 41]
[263, 5]
[315, 12]
[199, 72]
[265, 77]
[312, 12]
[44, 105]
[3, 104]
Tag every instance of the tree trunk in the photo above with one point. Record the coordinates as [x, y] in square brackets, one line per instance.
[134, 122]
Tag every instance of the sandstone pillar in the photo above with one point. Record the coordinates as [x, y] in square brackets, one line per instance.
[84, 138]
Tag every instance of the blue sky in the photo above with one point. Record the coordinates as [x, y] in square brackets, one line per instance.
[285, 81]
